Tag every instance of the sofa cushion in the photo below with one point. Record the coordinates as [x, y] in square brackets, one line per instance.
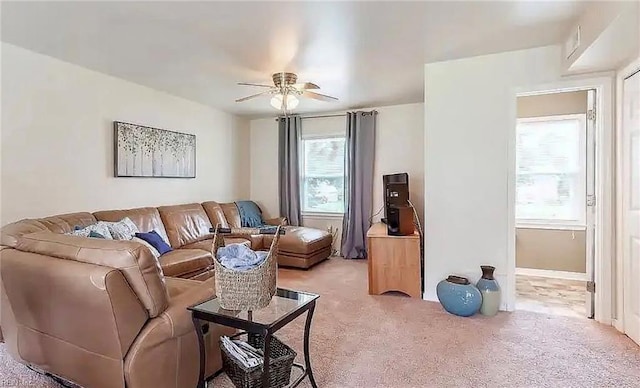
[145, 218]
[185, 261]
[231, 214]
[206, 244]
[185, 224]
[63, 223]
[215, 213]
[301, 240]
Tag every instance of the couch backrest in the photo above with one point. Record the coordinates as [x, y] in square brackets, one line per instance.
[138, 265]
[185, 224]
[145, 218]
[62, 223]
[231, 214]
[215, 213]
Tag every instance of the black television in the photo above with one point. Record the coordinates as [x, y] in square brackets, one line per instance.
[396, 191]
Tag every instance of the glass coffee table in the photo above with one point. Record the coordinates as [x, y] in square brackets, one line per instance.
[285, 306]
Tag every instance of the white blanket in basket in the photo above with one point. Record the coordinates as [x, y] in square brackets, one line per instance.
[239, 257]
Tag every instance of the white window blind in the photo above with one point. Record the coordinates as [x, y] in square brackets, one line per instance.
[322, 177]
[551, 170]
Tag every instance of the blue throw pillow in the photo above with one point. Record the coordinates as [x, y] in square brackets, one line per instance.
[155, 240]
[250, 214]
[95, 235]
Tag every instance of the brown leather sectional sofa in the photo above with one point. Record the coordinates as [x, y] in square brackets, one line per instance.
[106, 313]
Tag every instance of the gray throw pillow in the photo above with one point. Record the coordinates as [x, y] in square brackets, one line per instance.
[124, 229]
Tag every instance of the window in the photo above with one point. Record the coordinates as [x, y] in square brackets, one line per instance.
[551, 170]
[323, 175]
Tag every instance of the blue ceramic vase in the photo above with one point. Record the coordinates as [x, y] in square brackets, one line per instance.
[458, 296]
[490, 290]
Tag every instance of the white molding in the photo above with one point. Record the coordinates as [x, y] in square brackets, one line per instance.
[604, 240]
[323, 216]
[548, 273]
[582, 117]
[550, 226]
[618, 324]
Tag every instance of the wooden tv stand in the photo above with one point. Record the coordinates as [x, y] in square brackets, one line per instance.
[394, 262]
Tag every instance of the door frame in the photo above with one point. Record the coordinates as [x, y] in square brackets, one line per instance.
[618, 321]
[604, 189]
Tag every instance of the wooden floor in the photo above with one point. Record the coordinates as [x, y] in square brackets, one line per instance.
[550, 296]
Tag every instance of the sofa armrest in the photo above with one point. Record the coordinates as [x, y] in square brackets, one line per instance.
[172, 335]
[277, 221]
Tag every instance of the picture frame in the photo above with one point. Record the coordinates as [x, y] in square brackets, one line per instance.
[146, 152]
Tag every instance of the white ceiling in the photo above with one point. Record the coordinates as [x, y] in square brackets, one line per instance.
[364, 53]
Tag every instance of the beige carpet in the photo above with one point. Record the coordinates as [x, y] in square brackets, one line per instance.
[395, 341]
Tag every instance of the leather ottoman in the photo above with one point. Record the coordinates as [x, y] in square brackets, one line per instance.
[302, 247]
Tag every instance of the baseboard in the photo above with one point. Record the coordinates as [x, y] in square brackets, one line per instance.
[617, 323]
[546, 273]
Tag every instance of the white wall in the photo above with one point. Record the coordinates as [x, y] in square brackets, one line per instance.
[57, 141]
[470, 109]
[608, 36]
[399, 147]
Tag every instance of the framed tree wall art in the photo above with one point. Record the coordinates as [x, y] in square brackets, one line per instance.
[148, 152]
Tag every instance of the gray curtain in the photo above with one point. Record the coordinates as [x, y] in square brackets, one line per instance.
[360, 143]
[289, 129]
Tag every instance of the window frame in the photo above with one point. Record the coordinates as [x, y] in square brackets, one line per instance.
[542, 223]
[302, 165]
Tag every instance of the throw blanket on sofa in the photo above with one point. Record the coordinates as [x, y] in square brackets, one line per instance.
[250, 214]
[240, 257]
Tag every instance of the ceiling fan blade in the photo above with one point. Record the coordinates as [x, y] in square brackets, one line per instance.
[306, 85]
[252, 96]
[258, 85]
[318, 96]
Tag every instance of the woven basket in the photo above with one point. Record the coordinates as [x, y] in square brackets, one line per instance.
[246, 290]
[281, 359]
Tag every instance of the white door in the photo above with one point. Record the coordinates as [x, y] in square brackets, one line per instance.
[630, 187]
[590, 203]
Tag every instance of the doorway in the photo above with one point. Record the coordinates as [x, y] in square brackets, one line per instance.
[555, 202]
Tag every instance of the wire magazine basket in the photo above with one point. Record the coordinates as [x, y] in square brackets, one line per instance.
[280, 364]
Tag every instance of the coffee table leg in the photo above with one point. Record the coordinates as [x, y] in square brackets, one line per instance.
[265, 364]
[307, 359]
[198, 327]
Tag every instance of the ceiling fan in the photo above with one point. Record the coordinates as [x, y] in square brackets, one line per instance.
[285, 91]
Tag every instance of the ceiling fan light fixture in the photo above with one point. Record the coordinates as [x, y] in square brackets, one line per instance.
[276, 101]
[291, 102]
[285, 92]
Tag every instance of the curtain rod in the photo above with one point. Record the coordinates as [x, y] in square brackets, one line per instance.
[318, 117]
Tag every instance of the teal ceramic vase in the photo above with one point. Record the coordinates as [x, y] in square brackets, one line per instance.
[490, 290]
[458, 296]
